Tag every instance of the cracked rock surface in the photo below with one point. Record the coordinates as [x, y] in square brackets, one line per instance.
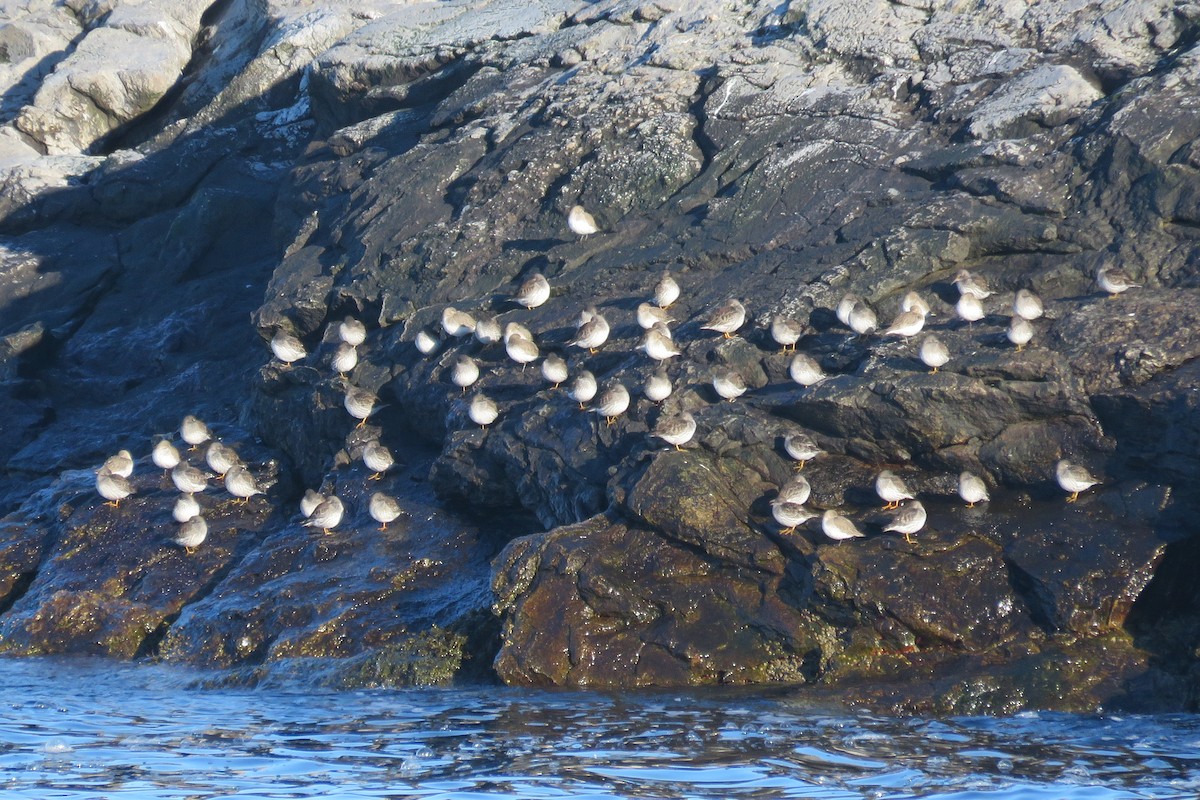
[179, 184]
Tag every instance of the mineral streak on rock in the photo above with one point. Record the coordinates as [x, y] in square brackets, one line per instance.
[178, 183]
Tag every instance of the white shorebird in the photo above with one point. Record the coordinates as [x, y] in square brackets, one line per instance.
[862, 319]
[360, 404]
[592, 333]
[972, 489]
[457, 323]
[657, 386]
[384, 509]
[844, 306]
[677, 430]
[426, 342]
[186, 506]
[891, 489]
[934, 353]
[666, 291]
[221, 458]
[1020, 332]
[1114, 281]
[554, 370]
[241, 484]
[914, 302]
[729, 384]
[287, 348]
[192, 534]
[838, 528]
[802, 448]
[345, 358]
[352, 332]
[972, 285]
[193, 431]
[189, 479]
[165, 455]
[377, 458]
[533, 291]
[487, 330]
[805, 370]
[906, 324]
[658, 343]
[113, 488]
[120, 464]
[790, 515]
[1027, 305]
[796, 490]
[786, 331]
[969, 309]
[581, 223]
[908, 520]
[1073, 478]
[612, 402]
[582, 388]
[464, 372]
[728, 317]
[312, 498]
[483, 410]
[521, 350]
[327, 515]
[648, 314]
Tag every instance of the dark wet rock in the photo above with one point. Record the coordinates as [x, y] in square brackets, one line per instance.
[386, 161]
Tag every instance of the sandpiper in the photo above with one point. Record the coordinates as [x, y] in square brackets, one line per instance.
[969, 309]
[838, 528]
[591, 334]
[581, 223]
[906, 324]
[648, 314]
[657, 386]
[312, 498]
[384, 509]
[327, 515]
[221, 458]
[796, 490]
[972, 285]
[790, 515]
[186, 506]
[805, 370]
[193, 431]
[554, 369]
[113, 488]
[666, 291]
[189, 479]
[165, 455]
[241, 484]
[533, 291]
[483, 410]
[612, 402]
[1027, 305]
[1073, 478]
[1114, 281]
[934, 353]
[426, 342]
[862, 319]
[1020, 332]
[359, 403]
[908, 520]
[891, 489]
[726, 319]
[729, 384]
[914, 302]
[377, 458]
[345, 358]
[192, 534]
[972, 489]
[517, 329]
[457, 323]
[802, 448]
[521, 350]
[658, 343]
[120, 464]
[487, 330]
[844, 306]
[583, 388]
[676, 430]
[352, 332]
[464, 372]
[786, 331]
[287, 348]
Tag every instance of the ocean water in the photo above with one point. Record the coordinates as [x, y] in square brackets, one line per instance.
[86, 729]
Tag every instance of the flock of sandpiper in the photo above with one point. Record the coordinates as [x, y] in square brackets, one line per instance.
[592, 332]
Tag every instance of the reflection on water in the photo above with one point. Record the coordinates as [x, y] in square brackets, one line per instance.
[85, 729]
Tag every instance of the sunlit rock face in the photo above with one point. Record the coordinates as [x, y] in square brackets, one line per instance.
[180, 184]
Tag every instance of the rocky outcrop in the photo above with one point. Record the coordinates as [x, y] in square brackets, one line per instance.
[278, 167]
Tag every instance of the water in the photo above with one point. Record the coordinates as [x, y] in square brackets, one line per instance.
[73, 729]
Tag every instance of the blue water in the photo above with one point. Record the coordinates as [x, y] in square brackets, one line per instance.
[73, 729]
